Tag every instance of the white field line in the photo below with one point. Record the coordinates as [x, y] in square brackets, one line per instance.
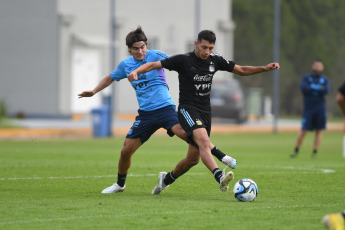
[85, 177]
[45, 220]
[299, 170]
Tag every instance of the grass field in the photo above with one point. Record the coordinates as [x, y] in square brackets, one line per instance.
[56, 184]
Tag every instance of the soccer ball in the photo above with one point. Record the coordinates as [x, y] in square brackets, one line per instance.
[245, 190]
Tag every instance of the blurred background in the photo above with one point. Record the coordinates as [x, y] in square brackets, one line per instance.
[52, 50]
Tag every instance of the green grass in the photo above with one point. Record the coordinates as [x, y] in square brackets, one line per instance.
[56, 184]
[6, 124]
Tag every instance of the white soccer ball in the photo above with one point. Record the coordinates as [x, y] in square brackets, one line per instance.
[245, 190]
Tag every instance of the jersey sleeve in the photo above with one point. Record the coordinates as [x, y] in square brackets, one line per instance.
[325, 86]
[224, 64]
[160, 55]
[174, 63]
[305, 85]
[119, 73]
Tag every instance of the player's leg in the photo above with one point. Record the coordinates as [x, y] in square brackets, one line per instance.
[320, 119]
[188, 162]
[307, 124]
[317, 141]
[165, 179]
[140, 132]
[300, 137]
[201, 138]
[222, 157]
[127, 151]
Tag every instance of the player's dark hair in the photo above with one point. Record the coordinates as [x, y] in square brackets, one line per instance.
[207, 35]
[134, 36]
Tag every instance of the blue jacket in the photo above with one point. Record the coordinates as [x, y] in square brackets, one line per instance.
[314, 89]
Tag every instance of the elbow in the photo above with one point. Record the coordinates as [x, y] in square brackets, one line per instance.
[241, 73]
[340, 99]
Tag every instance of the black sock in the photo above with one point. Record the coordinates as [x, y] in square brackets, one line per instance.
[217, 153]
[217, 173]
[169, 178]
[296, 150]
[121, 179]
[343, 213]
[314, 151]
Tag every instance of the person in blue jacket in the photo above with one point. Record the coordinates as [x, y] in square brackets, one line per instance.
[314, 87]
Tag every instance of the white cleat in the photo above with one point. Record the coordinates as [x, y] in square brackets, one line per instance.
[229, 161]
[161, 186]
[114, 189]
[225, 180]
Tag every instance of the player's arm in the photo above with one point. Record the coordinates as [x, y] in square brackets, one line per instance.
[341, 102]
[250, 70]
[133, 76]
[105, 82]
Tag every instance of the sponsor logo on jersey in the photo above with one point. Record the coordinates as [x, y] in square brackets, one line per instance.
[203, 86]
[140, 85]
[211, 67]
[207, 77]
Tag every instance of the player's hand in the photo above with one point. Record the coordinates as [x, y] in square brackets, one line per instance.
[88, 93]
[272, 66]
[133, 76]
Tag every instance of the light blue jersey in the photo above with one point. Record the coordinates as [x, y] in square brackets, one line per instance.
[151, 88]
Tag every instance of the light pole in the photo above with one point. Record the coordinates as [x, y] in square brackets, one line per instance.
[276, 53]
[112, 62]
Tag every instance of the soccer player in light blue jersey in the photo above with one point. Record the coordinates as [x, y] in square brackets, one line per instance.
[156, 110]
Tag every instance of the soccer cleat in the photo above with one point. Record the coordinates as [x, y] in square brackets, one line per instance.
[334, 221]
[314, 155]
[229, 161]
[225, 180]
[161, 186]
[293, 155]
[114, 189]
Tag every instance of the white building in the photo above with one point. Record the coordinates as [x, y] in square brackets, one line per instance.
[52, 50]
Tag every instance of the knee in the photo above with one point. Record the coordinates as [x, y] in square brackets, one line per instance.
[126, 153]
[204, 144]
[193, 161]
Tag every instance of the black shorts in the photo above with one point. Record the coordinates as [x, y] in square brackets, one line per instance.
[342, 89]
[148, 122]
[191, 119]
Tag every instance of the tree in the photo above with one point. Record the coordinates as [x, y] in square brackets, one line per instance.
[309, 30]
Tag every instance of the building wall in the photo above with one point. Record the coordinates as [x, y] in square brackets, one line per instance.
[171, 24]
[29, 56]
[37, 65]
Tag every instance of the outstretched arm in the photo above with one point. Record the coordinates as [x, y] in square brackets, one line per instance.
[250, 70]
[133, 76]
[105, 82]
